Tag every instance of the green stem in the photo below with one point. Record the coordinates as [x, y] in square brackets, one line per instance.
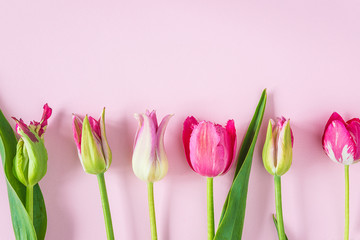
[106, 207]
[30, 201]
[346, 231]
[279, 215]
[210, 208]
[152, 211]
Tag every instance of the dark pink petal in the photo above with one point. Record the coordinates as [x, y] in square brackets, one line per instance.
[95, 126]
[338, 143]
[353, 126]
[231, 144]
[21, 126]
[189, 124]
[35, 123]
[46, 115]
[77, 129]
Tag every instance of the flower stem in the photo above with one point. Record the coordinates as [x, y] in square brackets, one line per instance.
[152, 211]
[210, 208]
[346, 231]
[279, 215]
[30, 201]
[106, 207]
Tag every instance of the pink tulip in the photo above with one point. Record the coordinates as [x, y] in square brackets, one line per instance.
[149, 159]
[341, 140]
[209, 147]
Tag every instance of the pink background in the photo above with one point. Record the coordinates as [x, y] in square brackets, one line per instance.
[207, 58]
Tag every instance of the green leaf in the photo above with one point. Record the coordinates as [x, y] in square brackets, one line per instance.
[24, 229]
[233, 214]
[275, 222]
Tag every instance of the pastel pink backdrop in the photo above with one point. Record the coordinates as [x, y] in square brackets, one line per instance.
[210, 59]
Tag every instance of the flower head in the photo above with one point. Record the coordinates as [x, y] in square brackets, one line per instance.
[149, 159]
[92, 145]
[209, 147]
[277, 151]
[30, 162]
[341, 140]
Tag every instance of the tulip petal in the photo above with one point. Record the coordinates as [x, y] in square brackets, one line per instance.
[284, 147]
[221, 153]
[333, 117]
[95, 126]
[204, 151]
[268, 154]
[43, 123]
[104, 141]
[280, 123]
[153, 118]
[189, 125]
[22, 129]
[160, 167]
[144, 149]
[21, 163]
[77, 129]
[230, 144]
[353, 126]
[91, 150]
[338, 143]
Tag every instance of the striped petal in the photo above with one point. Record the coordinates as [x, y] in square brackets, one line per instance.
[338, 143]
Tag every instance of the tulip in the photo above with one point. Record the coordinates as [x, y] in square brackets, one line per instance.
[277, 151]
[341, 140]
[277, 158]
[149, 159]
[341, 143]
[209, 150]
[209, 147]
[92, 145]
[30, 162]
[95, 157]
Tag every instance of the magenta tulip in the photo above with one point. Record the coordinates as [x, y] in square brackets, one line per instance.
[341, 140]
[341, 143]
[209, 150]
[209, 147]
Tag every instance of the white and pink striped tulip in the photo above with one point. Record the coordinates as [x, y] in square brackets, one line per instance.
[149, 159]
[209, 147]
[341, 140]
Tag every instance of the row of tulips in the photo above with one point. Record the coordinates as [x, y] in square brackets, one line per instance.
[209, 150]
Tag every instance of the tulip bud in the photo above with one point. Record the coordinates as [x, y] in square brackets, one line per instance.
[209, 147]
[277, 151]
[149, 159]
[93, 148]
[30, 162]
[341, 140]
